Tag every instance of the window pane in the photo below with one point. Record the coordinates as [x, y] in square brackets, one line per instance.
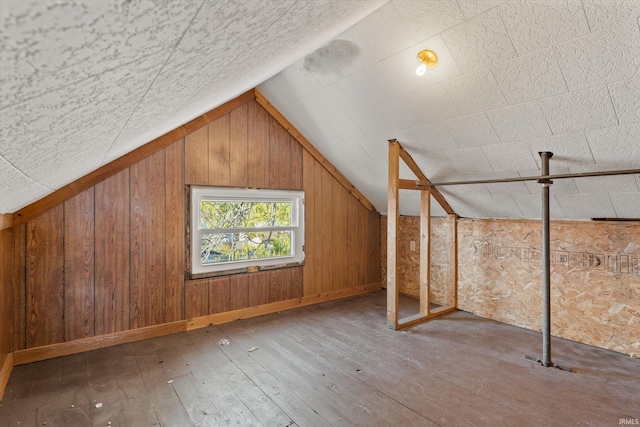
[224, 247]
[237, 214]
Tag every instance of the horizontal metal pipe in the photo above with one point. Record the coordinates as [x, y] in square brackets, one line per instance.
[532, 178]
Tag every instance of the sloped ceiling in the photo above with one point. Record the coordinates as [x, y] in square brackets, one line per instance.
[84, 82]
[514, 78]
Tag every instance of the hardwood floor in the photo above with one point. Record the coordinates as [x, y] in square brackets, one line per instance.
[334, 364]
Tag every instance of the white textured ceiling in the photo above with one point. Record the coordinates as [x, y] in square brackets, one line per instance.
[514, 78]
[84, 82]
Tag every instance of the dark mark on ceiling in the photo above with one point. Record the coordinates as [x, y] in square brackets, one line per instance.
[331, 57]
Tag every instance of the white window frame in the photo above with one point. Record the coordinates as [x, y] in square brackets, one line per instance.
[200, 194]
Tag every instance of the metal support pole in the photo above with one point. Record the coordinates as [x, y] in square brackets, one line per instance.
[546, 267]
[546, 264]
[420, 184]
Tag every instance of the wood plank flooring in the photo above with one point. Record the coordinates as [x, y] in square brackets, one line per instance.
[333, 364]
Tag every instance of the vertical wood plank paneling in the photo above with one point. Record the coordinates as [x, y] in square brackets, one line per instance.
[363, 233]
[197, 298]
[258, 288]
[17, 296]
[219, 171]
[352, 242]
[175, 231]
[279, 156]
[139, 251]
[373, 247]
[375, 236]
[239, 292]
[327, 227]
[196, 157]
[148, 238]
[296, 164]
[6, 245]
[452, 259]
[258, 146]
[219, 295]
[238, 146]
[425, 251]
[297, 279]
[79, 268]
[112, 254]
[45, 278]
[339, 235]
[308, 184]
[319, 237]
[279, 285]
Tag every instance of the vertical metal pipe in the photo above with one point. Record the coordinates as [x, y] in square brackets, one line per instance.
[546, 263]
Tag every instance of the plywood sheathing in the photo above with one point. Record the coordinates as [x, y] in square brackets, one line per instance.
[595, 278]
[409, 261]
[595, 275]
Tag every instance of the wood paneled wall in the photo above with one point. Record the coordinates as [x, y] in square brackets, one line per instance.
[6, 237]
[342, 242]
[114, 257]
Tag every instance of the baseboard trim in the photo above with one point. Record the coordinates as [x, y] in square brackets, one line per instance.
[45, 352]
[51, 351]
[245, 313]
[5, 372]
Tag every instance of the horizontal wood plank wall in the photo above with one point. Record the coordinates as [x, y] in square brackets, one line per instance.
[114, 258]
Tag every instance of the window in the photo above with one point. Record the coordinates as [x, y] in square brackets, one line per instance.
[239, 228]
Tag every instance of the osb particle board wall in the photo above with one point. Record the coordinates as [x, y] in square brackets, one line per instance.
[595, 276]
[113, 258]
[409, 261]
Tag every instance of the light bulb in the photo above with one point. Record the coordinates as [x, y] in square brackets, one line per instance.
[422, 68]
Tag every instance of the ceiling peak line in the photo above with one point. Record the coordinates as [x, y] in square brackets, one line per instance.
[155, 78]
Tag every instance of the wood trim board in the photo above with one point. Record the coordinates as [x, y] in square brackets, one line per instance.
[425, 252]
[93, 343]
[312, 149]
[395, 184]
[5, 372]
[6, 221]
[406, 157]
[422, 317]
[78, 186]
[393, 214]
[244, 313]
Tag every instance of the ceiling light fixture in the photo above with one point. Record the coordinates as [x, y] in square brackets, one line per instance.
[428, 59]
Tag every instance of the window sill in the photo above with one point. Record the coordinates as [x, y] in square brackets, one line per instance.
[244, 270]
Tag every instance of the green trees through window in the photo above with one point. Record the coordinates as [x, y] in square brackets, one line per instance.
[237, 228]
[244, 230]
